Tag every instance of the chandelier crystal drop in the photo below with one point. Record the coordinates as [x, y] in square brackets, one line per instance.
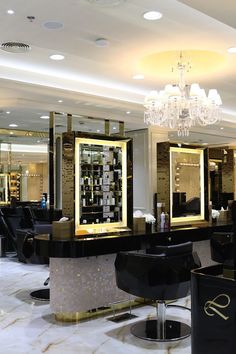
[181, 106]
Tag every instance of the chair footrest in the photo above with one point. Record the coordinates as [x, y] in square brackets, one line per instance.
[42, 294]
[122, 317]
[173, 330]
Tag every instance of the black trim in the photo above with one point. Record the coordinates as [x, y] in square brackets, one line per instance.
[95, 245]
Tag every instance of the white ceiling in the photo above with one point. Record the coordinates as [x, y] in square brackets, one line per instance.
[95, 81]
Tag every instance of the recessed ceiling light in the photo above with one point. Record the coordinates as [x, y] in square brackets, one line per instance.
[53, 25]
[11, 133]
[44, 117]
[152, 15]
[13, 125]
[101, 42]
[8, 112]
[59, 101]
[128, 112]
[138, 77]
[10, 12]
[231, 50]
[221, 128]
[57, 57]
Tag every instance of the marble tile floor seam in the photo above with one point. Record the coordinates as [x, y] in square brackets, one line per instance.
[28, 326]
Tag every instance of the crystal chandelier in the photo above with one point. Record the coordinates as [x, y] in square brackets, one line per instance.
[181, 106]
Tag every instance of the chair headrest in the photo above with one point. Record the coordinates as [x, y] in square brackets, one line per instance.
[172, 250]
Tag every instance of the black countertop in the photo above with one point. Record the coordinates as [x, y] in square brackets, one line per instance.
[100, 244]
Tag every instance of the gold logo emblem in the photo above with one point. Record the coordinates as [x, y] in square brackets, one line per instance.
[214, 307]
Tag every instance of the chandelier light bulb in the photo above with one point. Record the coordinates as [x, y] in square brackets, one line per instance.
[203, 94]
[168, 89]
[195, 90]
[232, 50]
[176, 91]
[212, 95]
[218, 100]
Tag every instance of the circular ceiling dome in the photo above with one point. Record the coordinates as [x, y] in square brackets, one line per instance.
[106, 2]
[15, 47]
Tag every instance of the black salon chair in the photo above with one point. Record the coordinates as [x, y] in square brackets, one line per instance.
[188, 247]
[41, 224]
[45, 216]
[28, 252]
[16, 226]
[159, 277]
[5, 231]
[221, 245]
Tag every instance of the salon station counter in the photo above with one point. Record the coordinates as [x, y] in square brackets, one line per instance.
[82, 269]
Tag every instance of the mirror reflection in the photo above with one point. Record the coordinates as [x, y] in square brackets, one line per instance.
[23, 170]
[221, 167]
[186, 186]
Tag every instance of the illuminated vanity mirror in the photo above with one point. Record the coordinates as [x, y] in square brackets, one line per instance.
[222, 176]
[102, 188]
[186, 185]
[3, 188]
[24, 170]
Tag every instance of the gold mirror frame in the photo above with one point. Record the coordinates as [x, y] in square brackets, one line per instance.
[192, 218]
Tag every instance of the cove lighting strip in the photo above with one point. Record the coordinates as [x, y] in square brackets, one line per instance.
[42, 149]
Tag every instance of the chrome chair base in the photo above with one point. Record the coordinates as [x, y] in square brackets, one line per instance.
[172, 331]
[42, 294]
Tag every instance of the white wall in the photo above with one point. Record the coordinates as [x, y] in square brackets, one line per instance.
[144, 166]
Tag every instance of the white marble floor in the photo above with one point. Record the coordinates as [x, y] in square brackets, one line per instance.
[28, 326]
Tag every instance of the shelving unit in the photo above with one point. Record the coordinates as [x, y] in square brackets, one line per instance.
[3, 188]
[15, 184]
[100, 183]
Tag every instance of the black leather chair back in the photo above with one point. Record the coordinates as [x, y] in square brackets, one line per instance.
[6, 231]
[44, 215]
[155, 276]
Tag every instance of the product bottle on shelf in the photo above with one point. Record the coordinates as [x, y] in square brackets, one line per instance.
[83, 200]
[89, 159]
[43, 202]
[95, 199]
[167, 221]
[113, 201]
[162, 220]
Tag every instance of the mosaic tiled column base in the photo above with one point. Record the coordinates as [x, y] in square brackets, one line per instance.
[81, 284]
